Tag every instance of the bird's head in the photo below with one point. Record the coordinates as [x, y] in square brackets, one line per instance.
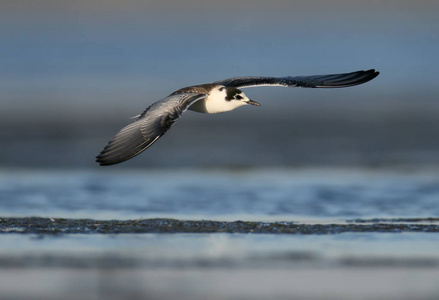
[237, 98]
[222, 99]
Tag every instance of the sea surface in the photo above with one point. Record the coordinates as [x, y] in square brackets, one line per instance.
[219, 233]
[248, 194]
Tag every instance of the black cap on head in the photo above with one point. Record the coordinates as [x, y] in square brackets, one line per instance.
[232, 92]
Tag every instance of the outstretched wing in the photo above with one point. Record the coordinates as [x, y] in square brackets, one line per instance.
[316, 81]
[148, 128]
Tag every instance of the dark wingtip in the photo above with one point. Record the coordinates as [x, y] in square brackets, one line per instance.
[101, 161]
[372, 73]
[376, 73]
[351, 79]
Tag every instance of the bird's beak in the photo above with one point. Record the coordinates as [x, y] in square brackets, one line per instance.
[253, 102]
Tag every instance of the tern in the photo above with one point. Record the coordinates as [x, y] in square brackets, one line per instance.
[216, 97]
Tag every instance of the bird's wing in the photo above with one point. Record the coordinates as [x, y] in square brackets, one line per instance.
[315, 81]
[148, 128]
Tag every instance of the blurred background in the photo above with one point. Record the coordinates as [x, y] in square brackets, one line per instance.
[73, 72]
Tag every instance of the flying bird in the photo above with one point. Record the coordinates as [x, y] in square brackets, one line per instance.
[216, 97]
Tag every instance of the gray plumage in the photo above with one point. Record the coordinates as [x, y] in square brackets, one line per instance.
[315, 81]
[159, 117]
[142, 133]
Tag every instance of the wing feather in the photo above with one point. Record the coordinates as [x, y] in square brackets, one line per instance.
[315, 81]
[148, 128]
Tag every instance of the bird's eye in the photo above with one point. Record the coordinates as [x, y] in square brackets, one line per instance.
[238, 97]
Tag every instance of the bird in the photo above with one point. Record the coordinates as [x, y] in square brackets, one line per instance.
[211, 98]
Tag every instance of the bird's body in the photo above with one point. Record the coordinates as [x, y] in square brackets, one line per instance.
[214, 102]
[211, 98]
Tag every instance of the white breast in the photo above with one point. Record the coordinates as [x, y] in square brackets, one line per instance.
[212, 104]
[216, 102]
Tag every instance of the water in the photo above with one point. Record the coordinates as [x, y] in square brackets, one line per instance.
[252, 195]
[194, 265]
